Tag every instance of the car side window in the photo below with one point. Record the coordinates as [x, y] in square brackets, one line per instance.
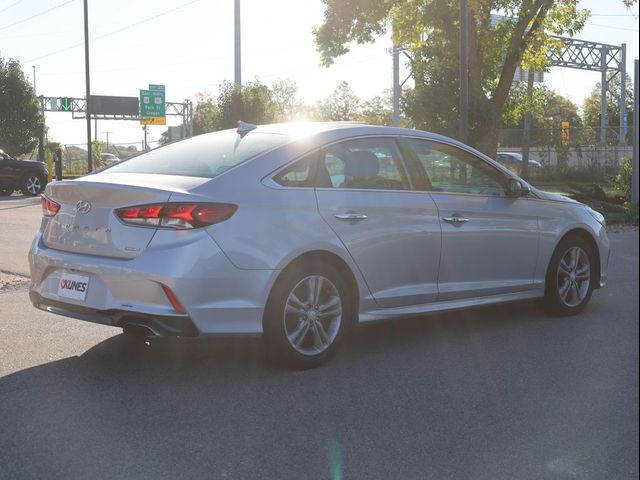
[453, 170]
[299, 174]
[371, 163]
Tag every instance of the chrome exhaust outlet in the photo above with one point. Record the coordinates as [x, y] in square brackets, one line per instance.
[139, 330]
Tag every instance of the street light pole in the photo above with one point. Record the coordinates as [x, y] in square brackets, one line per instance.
[237, 55]
[88, 85]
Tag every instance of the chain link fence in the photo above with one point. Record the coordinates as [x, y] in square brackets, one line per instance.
[575, 150]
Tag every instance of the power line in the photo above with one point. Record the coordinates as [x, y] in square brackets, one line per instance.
[12, 5]
[611, 26]
[126, 27]
[34, 16]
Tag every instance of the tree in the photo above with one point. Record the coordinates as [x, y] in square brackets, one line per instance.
[284, 95]
[341, 105]
[429, 29]
[378, 110]
[206, 115]
[547, 109]
[252, 103]
[19, 110]
[591, 106]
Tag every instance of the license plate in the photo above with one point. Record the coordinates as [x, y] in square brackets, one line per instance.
[73, 286]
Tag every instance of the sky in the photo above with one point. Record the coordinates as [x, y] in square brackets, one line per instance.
[187, 45]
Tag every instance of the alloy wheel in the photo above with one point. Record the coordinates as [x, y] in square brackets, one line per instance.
[574, 276]
[312, 315]
[33, 185]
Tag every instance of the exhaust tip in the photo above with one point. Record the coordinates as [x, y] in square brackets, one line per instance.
[138, 330]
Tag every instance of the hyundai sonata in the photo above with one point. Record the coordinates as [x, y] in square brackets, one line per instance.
[298, 232]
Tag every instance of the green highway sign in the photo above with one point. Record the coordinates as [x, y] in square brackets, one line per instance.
[152, 105]
[66, 103]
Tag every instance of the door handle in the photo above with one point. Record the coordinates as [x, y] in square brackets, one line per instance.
[350, 216]
[455, 220]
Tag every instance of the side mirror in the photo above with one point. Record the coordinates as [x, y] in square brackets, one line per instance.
[516, 188]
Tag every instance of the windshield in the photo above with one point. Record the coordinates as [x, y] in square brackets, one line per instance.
[203, 156]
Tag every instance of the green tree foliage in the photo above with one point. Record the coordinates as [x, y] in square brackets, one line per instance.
[623, 181]
[429, 29]
[341, 105]
[19, 110]
[378, 110]
[591, 106]
[206, 116]
[284, 95]
[547, 109]
[253, 103]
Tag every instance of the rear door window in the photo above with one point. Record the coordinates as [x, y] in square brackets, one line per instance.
[367, 163]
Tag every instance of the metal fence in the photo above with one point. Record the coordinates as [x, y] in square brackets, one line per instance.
[573, 149]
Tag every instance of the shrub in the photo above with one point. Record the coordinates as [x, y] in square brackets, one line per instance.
[622, 182]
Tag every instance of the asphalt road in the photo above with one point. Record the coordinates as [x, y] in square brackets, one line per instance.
[498, 393]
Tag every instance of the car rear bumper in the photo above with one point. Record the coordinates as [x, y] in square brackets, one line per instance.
[157, 325]
[218, 297]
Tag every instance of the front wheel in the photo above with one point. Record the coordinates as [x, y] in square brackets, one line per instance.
[307, 316]
[32, 185]
[570, 278]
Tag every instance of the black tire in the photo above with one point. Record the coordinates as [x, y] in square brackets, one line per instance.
[278, 321]
[6, 190]
[32, 185]
[579, 290]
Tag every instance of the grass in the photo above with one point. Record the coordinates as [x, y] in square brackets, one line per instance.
[601, 196]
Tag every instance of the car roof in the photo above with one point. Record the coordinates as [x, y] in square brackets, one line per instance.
[303, 129]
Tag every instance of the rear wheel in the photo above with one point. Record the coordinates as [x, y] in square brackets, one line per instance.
[570, 279]
[32, 185]
[6, 190]
[307, 316]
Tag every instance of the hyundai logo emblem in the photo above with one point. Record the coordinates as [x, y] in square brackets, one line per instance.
[83, 206]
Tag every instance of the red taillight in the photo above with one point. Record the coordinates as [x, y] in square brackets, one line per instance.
[49, 207]
[177, 215]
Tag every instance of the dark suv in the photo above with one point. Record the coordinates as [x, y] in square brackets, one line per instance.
[28, 176]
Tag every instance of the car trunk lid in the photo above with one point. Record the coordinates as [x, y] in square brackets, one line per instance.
[86, 222]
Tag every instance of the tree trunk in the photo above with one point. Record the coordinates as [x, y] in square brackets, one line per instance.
[485, 126]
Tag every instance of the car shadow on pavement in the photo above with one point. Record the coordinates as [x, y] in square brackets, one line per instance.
[166, 357]
[195, 407]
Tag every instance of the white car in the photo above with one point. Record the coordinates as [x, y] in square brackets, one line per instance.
[514, 159]
[109, 159]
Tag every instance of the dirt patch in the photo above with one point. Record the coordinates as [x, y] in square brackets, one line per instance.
[10, 281]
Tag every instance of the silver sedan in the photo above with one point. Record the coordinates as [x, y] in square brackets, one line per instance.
[301, 231]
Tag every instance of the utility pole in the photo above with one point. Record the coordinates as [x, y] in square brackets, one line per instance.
[634, 174]
[88, 85]
[34, 79]
[107, 133]
[396, 85]
[464, 72]
[237, 56]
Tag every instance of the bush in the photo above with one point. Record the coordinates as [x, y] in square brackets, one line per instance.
[622, 182]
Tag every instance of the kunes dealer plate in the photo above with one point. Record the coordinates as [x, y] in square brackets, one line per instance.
[73, 286]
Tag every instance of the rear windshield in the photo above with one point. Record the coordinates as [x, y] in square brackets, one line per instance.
[203, 156]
